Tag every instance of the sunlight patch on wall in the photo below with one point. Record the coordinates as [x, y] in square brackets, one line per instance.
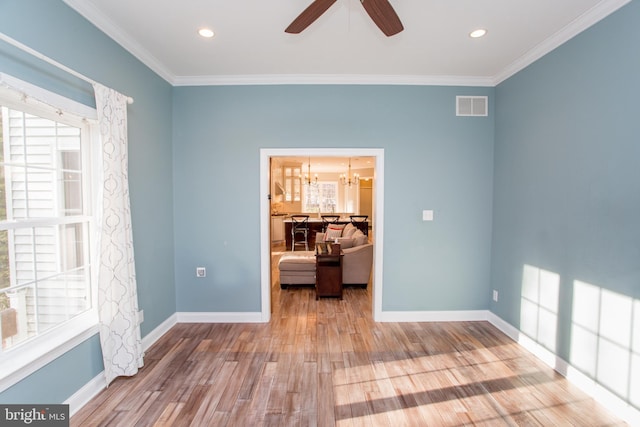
[584, 334]
[634, 390]
[539, 305]
[605, 339]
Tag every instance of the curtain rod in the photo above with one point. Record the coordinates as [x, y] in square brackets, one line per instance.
[53, 62]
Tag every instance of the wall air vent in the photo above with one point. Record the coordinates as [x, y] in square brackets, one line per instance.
[472, 106]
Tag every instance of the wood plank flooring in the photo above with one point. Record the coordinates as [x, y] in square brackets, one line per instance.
[326, 363]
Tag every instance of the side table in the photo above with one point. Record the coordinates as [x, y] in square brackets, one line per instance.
[328, 271]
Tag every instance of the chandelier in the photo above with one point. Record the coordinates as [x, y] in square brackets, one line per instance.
[346, 180]
[307, 178]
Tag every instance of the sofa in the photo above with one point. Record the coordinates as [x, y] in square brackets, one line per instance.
[299, 268]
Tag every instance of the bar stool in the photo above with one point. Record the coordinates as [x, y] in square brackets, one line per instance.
[360, 222]
[328, 219]
[299, 225]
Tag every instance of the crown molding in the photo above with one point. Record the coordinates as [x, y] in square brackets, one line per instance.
[584, 21]
[331, 79]
[120, 36]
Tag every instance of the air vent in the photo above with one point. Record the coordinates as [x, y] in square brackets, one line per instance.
[472, 106]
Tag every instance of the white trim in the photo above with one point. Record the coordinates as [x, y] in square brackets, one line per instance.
[586, 384]
[378, 235]
[331, 79]
[603, 396]
[50, 99]
[27, 357]
[86, 393]
[43, 350]
[159, 331]
[265, 237]
[216, 317]
[586, 20]
[504, 327]
[265, 217]
[434, 316]
[90, 12]
[99, 383]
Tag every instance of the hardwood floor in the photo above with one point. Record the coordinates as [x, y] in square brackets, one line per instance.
[327, 363]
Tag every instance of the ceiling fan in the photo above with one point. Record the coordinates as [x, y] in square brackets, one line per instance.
[380, 11]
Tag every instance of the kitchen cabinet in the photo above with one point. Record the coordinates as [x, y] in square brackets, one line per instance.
[277, 228]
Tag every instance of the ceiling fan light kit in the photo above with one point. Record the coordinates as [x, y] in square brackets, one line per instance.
[380, 11]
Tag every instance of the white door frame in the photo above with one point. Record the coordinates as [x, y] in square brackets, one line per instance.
[265, 217]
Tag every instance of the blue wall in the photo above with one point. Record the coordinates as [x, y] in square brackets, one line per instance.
[560, 191]
[433, 160]
[217, 133]
[58, 32]
[567, 195]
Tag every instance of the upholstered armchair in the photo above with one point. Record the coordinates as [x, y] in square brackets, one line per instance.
[356, 263]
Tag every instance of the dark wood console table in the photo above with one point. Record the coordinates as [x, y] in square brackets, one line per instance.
[328, 271]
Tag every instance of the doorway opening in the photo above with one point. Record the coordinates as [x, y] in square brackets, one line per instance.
[377, 214]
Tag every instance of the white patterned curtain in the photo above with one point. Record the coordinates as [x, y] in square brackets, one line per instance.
[117, 290]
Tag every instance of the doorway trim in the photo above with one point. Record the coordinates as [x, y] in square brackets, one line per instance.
[265, 217]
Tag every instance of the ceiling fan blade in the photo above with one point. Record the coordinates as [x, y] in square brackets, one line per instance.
[309, 15]
[383, 15]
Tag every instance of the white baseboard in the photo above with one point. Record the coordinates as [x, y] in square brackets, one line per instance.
[613, 403]
[86, 393]
[99, 383]
[215, 317]
[434, 316]
[588, 385]
[159, 331]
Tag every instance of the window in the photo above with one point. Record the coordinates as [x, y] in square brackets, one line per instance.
[45, 226]
[321, 197]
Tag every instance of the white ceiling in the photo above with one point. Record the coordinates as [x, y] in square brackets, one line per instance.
[343, 45]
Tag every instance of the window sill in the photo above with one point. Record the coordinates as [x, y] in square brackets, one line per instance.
[20, 362]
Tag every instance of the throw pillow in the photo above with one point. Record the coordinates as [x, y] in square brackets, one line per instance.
[332, 233]
[359, 238]
[336, 227]
[348, 231]
[345, 242]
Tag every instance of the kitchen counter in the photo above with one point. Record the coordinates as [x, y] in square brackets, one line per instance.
[315, 226]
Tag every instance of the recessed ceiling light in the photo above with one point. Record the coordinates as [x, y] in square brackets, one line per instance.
[477, 33]
[205, 32]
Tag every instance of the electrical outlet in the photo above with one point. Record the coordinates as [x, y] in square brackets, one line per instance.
[495, 295]
[140, 316]
[201, 272]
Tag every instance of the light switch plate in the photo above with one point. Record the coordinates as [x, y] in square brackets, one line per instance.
[427, 215]
[201, 272]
